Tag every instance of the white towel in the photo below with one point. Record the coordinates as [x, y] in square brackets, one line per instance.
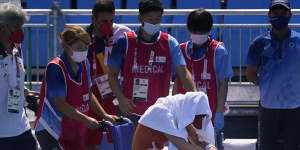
[173, 113]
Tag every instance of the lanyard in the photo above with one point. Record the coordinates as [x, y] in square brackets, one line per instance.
[151, 57]
[208, 44]
[106, 42]
[94, 58]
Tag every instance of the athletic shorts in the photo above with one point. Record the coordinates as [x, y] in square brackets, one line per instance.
[144, 136]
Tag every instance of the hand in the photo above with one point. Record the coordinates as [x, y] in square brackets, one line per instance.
[126, 106]
[212, 148]
[111, 118]
[219, 122]
[91, 123]
[30, 92]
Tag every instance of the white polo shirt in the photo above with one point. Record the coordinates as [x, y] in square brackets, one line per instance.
[11, 124]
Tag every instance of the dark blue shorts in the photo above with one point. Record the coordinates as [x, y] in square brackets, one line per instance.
[24, 141]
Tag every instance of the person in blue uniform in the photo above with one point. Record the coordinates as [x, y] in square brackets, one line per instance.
[273, 65]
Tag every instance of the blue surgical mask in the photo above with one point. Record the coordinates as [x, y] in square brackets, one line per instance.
[151, 28]
[279, 22]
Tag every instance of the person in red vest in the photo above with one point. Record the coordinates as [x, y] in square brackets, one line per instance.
[66, 96]
[103, 33]
[209, 63]
[146, 57]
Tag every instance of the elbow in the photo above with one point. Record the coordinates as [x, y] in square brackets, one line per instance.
[252, 77]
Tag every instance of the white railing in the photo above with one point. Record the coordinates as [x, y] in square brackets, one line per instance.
[55, 21]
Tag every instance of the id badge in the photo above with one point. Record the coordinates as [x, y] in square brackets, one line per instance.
[140, 89]
[14, 100]
[103, 86]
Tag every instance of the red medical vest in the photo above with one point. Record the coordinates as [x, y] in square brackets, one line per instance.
[203, 71]
[158, 73]
[73, 132]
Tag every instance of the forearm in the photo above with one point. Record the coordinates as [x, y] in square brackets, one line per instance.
[186, 78]
[222, 95]
[68, 110]
[252, 74]
[115, 84]
[95, 106]
[181, 144]
[193, 136]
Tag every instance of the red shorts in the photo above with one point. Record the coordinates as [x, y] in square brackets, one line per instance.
[144, 136]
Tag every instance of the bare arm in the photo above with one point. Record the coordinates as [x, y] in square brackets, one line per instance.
[186, 78]
[222, 95]
[252, 74]
[28, 91]
[126, 105]
[181, 144]
[114, 82]
[98, 109]
[71, 112]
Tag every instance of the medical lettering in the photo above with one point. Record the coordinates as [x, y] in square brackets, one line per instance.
[83, 108]
[155, 69]
[203, 85]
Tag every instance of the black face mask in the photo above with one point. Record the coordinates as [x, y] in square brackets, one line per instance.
[279, 22]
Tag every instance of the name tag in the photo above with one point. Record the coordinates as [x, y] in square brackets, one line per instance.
[205, 76]
[103, 86]
[14, 100]
[160, 59]
[140, 89]
[86, 97]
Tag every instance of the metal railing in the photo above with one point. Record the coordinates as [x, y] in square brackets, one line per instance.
[55, 21]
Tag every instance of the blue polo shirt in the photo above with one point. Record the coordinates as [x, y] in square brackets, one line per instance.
[56, 88]
[279, 69]
[118, 54]
[222, 64]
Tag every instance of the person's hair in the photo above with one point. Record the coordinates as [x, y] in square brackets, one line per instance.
[10, 13]
[103, 6]
[146, 6]
[73, 33]
[199, 20]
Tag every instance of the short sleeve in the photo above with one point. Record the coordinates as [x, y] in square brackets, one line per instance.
[177, 58]
[55, 80]
[117, 56]
[223, 67]
[253, 57]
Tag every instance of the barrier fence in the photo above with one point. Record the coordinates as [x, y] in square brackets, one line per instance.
[42, 31]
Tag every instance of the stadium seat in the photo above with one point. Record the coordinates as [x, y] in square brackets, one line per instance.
[133, 4]
[295, 4]
[192, 4]
[232, 41]
[88, 4]
[42, 32]
[46, 4]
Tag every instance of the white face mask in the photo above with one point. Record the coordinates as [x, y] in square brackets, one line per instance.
[151, 28]
[79, 56]
[199, 39]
